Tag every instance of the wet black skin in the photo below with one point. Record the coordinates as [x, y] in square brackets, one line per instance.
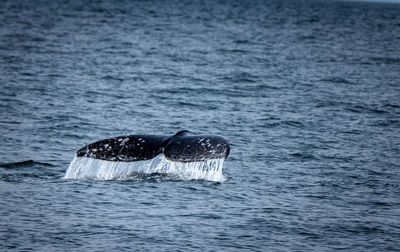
[181, 147]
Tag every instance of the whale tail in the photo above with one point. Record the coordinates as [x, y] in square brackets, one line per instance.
[181, 147]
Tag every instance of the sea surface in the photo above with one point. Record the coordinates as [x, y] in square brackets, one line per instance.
[307, 93]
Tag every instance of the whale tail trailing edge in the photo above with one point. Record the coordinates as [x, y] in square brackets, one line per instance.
[181, 147]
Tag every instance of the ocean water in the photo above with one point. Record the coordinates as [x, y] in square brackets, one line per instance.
[307, 93]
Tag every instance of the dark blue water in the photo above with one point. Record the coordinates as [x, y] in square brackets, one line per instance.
[307, 93]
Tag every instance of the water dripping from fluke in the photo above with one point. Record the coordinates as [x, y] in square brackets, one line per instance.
[90, 168]
[183, 155]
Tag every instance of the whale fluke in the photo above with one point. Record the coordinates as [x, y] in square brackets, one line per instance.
[181, 147]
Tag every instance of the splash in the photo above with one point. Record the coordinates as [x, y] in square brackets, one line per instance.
[89, 168]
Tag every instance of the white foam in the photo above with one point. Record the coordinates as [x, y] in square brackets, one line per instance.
[89, 168]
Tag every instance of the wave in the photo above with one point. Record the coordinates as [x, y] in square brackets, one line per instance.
[26, 170]
[89, 168]
[22, 164]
